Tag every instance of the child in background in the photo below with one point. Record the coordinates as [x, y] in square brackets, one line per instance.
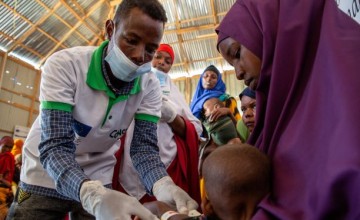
[223, 130]
[219, 132]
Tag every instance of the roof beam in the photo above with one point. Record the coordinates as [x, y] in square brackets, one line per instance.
[32, 24]
[190, 29]
[22, 45]
[2, 68]
[213, 9]
[33, 28]
[62, 20]
[182, 53]
[82, 20]
[181, 46]
[92, 9]
[200, 60]
[115, 2]
[77, 5]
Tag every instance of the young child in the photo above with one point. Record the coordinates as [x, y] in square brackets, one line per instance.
[237, 178]
[223, 130]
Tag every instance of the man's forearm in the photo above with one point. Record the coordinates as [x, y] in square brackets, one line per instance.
[57, 152]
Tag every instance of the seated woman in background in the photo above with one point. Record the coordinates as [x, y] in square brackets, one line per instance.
[248, 108]
[211, 85]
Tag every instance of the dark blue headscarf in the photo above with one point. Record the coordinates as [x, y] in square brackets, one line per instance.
[201, 94]
[248, 92]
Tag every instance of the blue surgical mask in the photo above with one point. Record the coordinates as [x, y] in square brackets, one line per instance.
[160, 75]
[163, 79]
[122, 67]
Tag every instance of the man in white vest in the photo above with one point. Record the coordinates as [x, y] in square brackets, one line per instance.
[178, 139]
[89, 95]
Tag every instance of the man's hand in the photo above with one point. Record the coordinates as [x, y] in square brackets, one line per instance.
[168, 112]
[166, 191]
[107, 204]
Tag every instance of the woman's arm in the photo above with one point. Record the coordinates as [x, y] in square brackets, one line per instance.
[178, 126]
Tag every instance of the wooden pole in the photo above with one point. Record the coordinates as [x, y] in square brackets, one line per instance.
[2, 70]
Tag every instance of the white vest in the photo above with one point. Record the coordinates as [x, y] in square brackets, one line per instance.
[96, 137]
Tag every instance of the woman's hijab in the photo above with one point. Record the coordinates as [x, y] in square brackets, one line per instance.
[201, 94]
[308, 105]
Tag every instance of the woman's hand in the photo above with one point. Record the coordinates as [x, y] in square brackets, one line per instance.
[218, 112]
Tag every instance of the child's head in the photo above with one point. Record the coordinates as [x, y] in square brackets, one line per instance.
[210, 105]
[237, 177]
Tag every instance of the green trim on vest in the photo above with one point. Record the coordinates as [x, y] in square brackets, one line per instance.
[146, 117]
[56, 106]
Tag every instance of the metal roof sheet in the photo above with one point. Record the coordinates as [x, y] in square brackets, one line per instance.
[34, 29]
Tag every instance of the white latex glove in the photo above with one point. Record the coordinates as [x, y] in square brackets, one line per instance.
[168, 112]
[166, 191]
[107, 204]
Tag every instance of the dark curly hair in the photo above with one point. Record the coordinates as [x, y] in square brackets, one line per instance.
[153, 8]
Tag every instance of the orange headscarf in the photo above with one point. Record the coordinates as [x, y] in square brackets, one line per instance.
[18, 143]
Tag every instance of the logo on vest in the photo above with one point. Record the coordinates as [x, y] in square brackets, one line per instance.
[350, 7]
[118, 133]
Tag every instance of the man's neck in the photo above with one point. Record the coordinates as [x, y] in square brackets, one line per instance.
[117, 83]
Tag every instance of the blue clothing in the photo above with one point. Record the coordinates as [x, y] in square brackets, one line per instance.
[201, 95]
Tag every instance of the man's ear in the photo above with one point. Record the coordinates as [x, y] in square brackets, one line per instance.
[109, 29]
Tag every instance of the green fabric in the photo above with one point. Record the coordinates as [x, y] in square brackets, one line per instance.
[224, 97]
[222, 130]
[56, 106]
[243, 131]
[146, 117]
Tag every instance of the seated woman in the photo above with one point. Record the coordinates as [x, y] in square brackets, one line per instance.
[248, 108]
[211, 85]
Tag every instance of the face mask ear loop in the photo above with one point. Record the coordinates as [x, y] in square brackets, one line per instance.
[112, 38]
